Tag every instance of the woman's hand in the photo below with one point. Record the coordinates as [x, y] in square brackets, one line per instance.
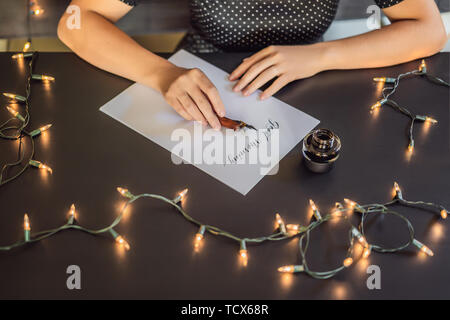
[192, 95]
[285, 63]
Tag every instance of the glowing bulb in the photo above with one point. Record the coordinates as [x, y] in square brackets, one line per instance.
[26, 46]
[348, 262]
[26, 223]
[279, 223]
[350, 203]
[315, 210]
[26, 227]
[40, 130]
[72, 213]
[199, 237]
[398, 191]
[291, 269]
[423, 66]
[293, 228]
[42, 77]
[122, 242]
[243, 253]
[375, 106]
[37, 11]
[124, 192]
[423, 248]
[21, 55]
[15, 114]
[411, 147]
[359, 236]
[431, 120]
[444, 214]
[180, 196]
[15, 97]
[385, 80]
[367, 251]
[40, 165]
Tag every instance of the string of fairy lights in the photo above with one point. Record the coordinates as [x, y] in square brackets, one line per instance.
[16, 127]
[388, 91]
[281, 231]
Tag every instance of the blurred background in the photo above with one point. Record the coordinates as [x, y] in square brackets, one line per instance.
[156, 24]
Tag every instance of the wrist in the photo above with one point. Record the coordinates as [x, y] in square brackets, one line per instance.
[157, 77]
[326, 55]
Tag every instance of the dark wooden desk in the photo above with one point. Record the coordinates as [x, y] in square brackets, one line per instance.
[91, 154]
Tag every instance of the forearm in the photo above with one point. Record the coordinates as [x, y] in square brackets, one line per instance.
[102, 44]
[399, 42]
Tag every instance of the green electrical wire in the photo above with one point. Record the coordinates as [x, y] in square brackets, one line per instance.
[282, 231]
[388, 91]
[15, 128]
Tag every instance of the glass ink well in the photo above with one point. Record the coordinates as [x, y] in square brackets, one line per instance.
[321, 148]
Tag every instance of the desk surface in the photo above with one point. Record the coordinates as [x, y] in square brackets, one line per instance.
[91, 154]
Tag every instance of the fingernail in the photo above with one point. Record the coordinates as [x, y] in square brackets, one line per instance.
[262, 96]
[246, 93]
[236, 89]
[231, 77]
[222, 114]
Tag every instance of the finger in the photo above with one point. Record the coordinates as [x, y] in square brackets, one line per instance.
[180, 109]
[190, 106]
[275, 87]
[213, 95]
[205, 107]
[256, 70]
[248, 62]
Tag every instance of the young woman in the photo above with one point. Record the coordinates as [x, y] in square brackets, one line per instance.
[285, 32]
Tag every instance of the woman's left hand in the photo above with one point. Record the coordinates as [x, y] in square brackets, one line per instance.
[285, 63]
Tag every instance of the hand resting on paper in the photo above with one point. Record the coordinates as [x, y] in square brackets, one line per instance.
[192, 95]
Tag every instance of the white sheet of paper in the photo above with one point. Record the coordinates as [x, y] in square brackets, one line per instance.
[145, 111]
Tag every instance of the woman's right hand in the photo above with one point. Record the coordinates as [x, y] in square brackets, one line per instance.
[192, 95]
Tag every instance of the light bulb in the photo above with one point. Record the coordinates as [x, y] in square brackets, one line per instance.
[423, 248]
[124, 192]
[122, 242]
[291, 269]
[199, 237]
[367, 251]
[181, 196]
[316, 212]
[26, 46]
[40, 130]
[431, 120]
[26, 227]
[293, 228]
[350, 203]
[15, 97]
[40, 165]
[42, 77]
[26, 223]
[398, 191]
[411, 147]
[243, 253]
[348, 262]
[72, 213]
[37, 11]
[362, 240]
[15, 114]
[21, 55]
[384, 79]
[279, 224]
[423, 66]
[375, 106]
[444, 214]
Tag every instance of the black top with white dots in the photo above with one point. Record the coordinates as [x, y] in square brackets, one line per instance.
[249, 25]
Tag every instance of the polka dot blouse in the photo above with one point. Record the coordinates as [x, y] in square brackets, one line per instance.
[249, 25]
